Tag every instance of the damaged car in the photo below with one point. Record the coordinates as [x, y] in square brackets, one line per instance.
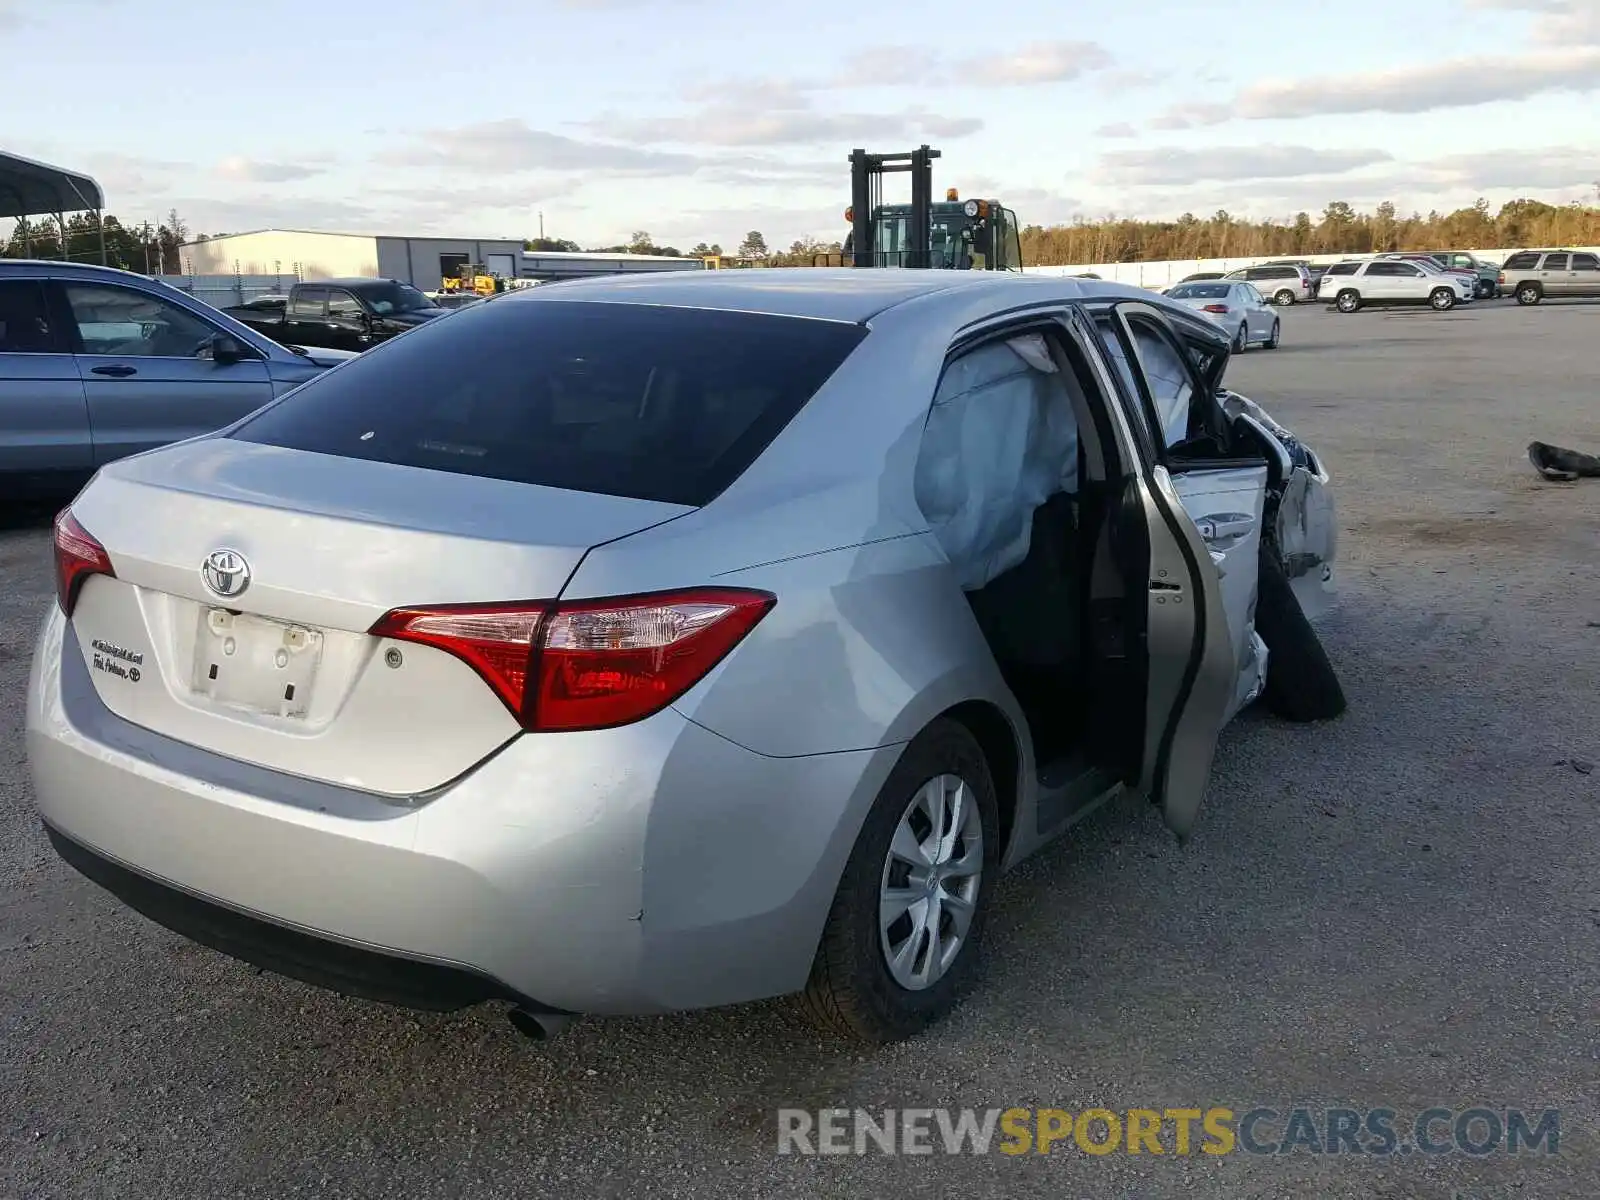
[665, 642]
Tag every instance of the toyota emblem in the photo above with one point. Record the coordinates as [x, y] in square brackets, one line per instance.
[226, 573]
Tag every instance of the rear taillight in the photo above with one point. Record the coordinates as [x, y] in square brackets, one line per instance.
[1216, 308]
[78, 556]
[1502, 276]
[588, 664]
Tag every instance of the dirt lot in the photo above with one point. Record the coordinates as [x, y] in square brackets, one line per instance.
[1398, 910]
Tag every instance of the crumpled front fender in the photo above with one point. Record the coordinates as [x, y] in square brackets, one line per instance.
[1305, 531]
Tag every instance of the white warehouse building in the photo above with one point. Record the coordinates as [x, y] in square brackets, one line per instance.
[423, 262]
[310, 254]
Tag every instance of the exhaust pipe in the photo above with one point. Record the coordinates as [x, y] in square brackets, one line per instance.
[539, 1026]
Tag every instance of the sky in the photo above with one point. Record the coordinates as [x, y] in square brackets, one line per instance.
[699, 120]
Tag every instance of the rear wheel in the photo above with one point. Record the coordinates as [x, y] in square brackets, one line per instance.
[1348, 301]
[1529, 293]
[1277, 336]
[1442, 299]
[906, 925]
[1285, 296]
[1241, 340]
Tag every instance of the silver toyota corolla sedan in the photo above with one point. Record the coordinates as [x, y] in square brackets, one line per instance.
[654, 643]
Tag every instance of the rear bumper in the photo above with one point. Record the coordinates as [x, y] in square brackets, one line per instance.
[638, 870]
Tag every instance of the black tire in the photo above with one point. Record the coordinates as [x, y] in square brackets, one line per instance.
[1273, 342]
[1529, 293]
[1348, 301]
[1301, 683]
[1442, 299]
[850, 992]
[1241, 340]
[1284, 297]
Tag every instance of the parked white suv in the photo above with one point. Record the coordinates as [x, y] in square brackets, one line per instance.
[1354, 285]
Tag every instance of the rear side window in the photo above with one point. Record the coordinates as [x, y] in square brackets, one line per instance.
[1556, 262]
[650, 402]
[25, 326]
[1343, 269]
[1521, 262]
[308, 302]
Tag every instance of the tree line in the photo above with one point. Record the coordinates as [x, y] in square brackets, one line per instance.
[146, 248]
[1340, 229]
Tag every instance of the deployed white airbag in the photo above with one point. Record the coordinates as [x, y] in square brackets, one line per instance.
[1001, 438]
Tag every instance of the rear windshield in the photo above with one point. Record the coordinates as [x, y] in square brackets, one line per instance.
[654, 403]
[1200, 291]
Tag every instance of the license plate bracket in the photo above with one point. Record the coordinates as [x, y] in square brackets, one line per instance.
[256, 664]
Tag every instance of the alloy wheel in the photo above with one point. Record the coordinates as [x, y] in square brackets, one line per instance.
[930, 883]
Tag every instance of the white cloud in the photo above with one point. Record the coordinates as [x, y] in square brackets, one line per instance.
[1572, 64]
[1025, 66]
[1453, 83]
[239, 169]
[1120, 129]
[1556, 22]
[513, 145]
[787, 118]
[1188, 116]
[1555, 174]
[1168, 166]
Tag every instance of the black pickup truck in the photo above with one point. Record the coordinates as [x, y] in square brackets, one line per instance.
[341, 314]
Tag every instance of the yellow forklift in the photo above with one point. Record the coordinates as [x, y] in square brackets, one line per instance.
[475, 278]
[970, 235]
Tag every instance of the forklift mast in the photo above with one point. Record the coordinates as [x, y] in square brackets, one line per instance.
[866, 197]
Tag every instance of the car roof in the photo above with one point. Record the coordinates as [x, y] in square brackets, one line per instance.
[57, 268]
[826, 293]
[857, 295]
[347, 281]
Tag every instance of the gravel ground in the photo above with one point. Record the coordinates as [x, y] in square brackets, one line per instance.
[1395, 910]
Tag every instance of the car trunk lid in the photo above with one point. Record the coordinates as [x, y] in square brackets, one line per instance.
[282, 672]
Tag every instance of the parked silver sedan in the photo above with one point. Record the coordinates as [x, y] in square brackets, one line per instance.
[1241, 310]
[96, 364]
[652, 643]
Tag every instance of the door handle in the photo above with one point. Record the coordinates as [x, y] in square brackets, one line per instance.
[120, 370]
[1225, 527]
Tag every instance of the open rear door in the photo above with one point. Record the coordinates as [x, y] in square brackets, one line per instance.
[1165, 681]
[1193, 670]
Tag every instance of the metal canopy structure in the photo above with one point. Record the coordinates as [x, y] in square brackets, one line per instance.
[31, 189]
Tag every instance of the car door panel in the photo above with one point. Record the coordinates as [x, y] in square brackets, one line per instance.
[1189, 664]
[1223, 497]
[347, 321]
[1226, 507]
[1553, 274]
[141, 390]
[44, 420]
[1264, 315]
[1584, 276]
[1193, 672]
